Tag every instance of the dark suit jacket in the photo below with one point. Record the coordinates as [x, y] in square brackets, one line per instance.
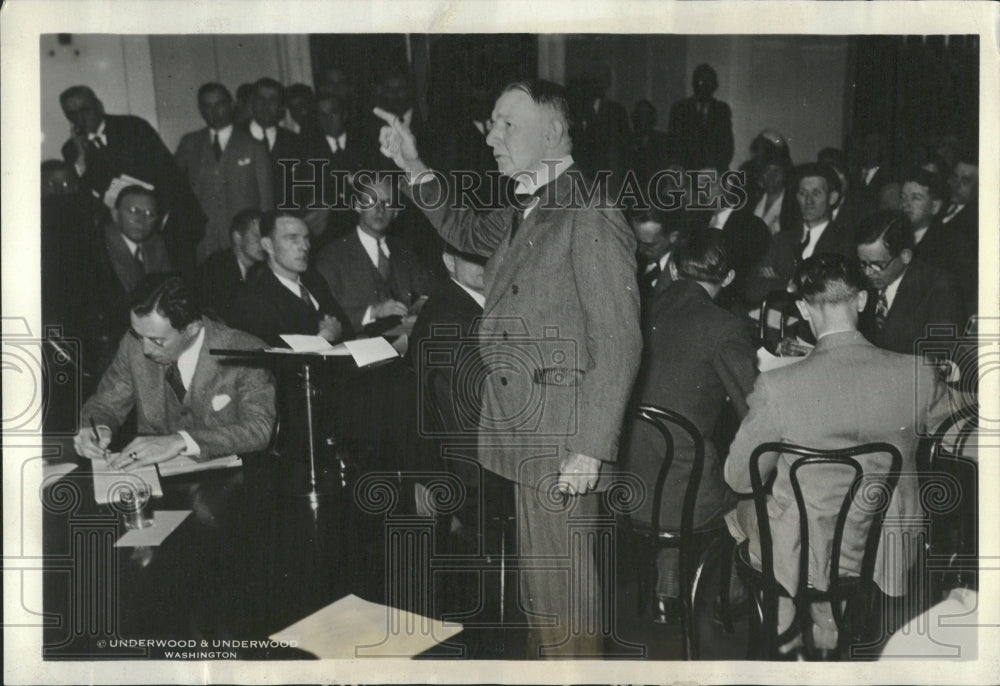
[926, 295]
[447, 322]
[228, 408]
[356, 284]
[966, 222]
[240, 180]
[949, 249]
[220, 280]
[865, 195]
[746, 239]
[695, 356]
[290, 147]
[844, 393]
[700, 142]
[135, 148]
[267, 309]
[783, 257]
[561, 299]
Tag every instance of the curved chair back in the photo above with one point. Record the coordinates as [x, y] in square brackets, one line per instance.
[661, 419]
[810, 459]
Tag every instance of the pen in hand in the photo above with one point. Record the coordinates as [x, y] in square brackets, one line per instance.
[97, 436]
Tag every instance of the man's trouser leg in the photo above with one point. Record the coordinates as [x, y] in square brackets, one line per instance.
[559, 581]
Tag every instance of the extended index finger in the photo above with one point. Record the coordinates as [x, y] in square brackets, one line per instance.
[386, 116]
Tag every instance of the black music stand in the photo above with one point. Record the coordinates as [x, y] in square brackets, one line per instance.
[317, 488]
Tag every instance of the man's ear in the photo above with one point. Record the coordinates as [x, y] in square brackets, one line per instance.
[936, 206]
[449, 262]
[267, 244]
[905, 256]
[834, 198]
[803, 310]
[862, 300]
[554, 132]
[192, 329]
[729, 278]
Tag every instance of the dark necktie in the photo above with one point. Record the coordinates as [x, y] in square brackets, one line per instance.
[804, 244]
[216, 147]
[174, 379]
[650, 278]
[304, 294]
[881, 310]
[139, 261]
[383, 266]
[520, 207]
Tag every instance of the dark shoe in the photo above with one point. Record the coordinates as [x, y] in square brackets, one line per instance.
[668, 611]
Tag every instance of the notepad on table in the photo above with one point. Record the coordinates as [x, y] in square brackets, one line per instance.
[353, 628]
[164, 523]
[110, 482]
[364, 351]
[185, 465]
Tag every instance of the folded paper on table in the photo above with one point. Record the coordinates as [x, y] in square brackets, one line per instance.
[766, 361]
[367, 351]
[108, 481]
[306, 344]
[351, 628]
[185, 465]
[164, 523]
[54, 470]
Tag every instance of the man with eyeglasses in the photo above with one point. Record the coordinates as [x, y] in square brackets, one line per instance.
[129, 248]
[187, 401]
[906, 295]
[104, 148]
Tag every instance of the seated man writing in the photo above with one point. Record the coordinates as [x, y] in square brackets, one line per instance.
[188, 402]
[846, 392]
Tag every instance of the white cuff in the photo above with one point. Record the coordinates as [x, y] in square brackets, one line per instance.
[368, 318]
[191, 449]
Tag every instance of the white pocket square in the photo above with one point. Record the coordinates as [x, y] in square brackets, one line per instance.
[244, 162]
[220, 401]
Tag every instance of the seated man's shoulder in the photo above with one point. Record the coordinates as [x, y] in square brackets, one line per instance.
[224, 335]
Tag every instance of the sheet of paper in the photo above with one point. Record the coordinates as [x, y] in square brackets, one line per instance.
[119, 184]
[185, 465]
[352, 628]
[108, 482]
[54, 470]
[367, 351]
[164, 523]
[306, 344]
[766, 361]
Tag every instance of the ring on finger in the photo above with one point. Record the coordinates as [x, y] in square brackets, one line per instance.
[133, 456]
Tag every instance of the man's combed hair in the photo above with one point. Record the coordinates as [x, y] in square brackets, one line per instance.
[169, 296]
[828, 278]
[74, 91]
[934, 183]
[888, 226]
[133, 190]
[702, 257]
[244, 219]
[545, 93]
[269, 220]
[268, 82]
[213, 86]
[824, 171]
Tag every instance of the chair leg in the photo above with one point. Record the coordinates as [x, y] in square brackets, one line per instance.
[725, 579]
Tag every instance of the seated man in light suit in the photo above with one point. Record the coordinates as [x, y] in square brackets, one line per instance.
[188, 402]
[845, 393]
[372, 274]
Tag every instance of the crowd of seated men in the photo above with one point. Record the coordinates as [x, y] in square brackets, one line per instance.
[874, 251]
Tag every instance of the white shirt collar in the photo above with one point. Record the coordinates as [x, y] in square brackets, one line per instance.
[371, 245]
[294, 287]
[546, 172]
[720, 218]
[952, 211]
[260, 133]
[224, 134]
[338, 142]
[100, 133]
[890, 290]
[870, 173]
[770, 215]
[132, 245]
[475, 295]
[815, 232]
[187, 361]
[835, 331]
[918, 235]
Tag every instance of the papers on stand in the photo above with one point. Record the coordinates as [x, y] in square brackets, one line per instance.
[164, 523]
[185, 465]
[110, 483]
[365, 351]
[351, 628]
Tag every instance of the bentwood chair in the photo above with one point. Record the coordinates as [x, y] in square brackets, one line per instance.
[949, 488]
[866, 495]
[695, 547]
